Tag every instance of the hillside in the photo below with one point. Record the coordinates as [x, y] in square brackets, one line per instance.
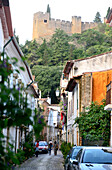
[48, 59]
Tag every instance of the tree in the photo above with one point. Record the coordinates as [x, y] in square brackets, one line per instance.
[95, 123]
[39, 123]
[60, 47]
[108, 11]
[43, 58]
[48, 80]
[49, 11]
[97, 18]
[16, 36]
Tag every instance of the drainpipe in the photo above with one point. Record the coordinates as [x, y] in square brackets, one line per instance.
[6, 45]
[29, 84]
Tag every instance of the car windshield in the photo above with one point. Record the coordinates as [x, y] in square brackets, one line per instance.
[74, 153]
[42, 143]
[100, 156]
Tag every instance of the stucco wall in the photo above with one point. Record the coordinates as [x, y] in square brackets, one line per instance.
[91, 64]
[100, 80]
[1, 37]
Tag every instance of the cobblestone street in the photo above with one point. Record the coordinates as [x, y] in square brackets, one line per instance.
[44, 162]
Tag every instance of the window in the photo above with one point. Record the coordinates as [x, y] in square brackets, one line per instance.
[45, 21]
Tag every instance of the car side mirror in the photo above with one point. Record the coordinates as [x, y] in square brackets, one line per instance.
[75, 162]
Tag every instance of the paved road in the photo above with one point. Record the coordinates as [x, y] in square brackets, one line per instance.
[44, 162]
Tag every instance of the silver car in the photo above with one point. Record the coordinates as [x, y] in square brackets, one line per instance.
[71, 157]
[93, 158]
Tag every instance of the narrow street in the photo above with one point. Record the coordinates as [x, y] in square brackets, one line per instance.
[44, 162]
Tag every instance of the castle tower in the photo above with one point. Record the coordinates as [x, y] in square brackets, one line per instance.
[76, 24]
[40, 24]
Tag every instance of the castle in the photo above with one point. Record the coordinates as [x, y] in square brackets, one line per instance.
[44, 27]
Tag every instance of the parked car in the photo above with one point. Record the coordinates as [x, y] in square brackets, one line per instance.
[43, 147]
[94, 158]
[71, 157]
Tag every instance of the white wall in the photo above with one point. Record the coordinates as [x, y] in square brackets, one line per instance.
[92, 64]
[1, 37]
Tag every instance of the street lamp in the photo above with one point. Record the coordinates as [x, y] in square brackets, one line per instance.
[57, 92]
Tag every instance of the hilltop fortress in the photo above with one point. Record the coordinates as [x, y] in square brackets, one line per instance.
[44, 27]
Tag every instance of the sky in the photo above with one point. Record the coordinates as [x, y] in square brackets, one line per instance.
[22, 12]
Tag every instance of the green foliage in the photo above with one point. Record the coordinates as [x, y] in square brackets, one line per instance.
[108, 11]
[20, 155]
[14, 111]
[63, 47]
[60, 47]
[39, 123]
[95, 122]
[97, 18]
[50, 78]
[65, 148]
[49, 11]
[28, 150]
[44, 58]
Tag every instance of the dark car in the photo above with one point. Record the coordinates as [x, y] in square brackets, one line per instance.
[43, 147]
[71, 157]
[94, 158]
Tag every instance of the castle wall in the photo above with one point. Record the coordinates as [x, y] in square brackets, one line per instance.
[43, 28]
[76, 24]
[87, 25]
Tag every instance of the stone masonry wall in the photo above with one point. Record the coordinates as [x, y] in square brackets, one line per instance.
[86, 86]
[45, 28]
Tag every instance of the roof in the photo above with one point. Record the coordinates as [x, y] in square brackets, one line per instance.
[72, 83]
[109, 16]
[57, 105]
[70, 63]
[44, 100]
[68, 66]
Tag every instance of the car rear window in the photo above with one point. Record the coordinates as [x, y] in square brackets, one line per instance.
[100, 156]
[41, 143]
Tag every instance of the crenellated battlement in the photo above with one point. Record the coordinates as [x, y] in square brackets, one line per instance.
[43, 27]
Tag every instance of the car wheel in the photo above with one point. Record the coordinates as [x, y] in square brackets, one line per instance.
[68, 168]
[64, 167]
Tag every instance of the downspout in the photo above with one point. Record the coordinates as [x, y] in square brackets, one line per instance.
[29, 84]
[7, 43]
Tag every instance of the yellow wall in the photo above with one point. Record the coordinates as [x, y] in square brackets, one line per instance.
[100, 81]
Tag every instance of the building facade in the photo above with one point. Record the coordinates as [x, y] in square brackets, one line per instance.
[10, 47]
[87, 80]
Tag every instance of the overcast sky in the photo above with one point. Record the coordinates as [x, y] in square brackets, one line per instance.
[22, 12]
